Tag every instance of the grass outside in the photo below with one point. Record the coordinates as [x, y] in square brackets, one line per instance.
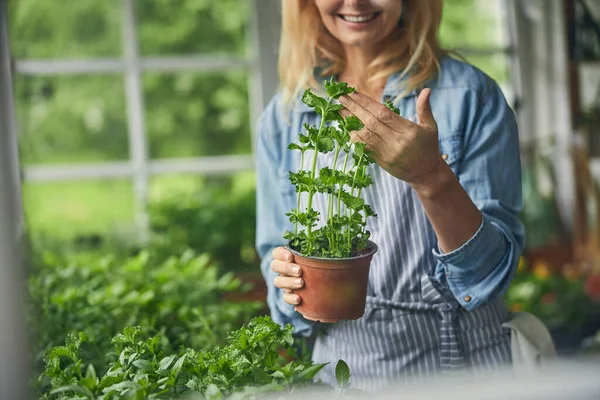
[63, 210]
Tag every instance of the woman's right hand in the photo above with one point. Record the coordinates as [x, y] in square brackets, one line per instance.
[289, 275]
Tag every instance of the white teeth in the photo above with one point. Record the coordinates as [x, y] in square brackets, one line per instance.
[358, 18]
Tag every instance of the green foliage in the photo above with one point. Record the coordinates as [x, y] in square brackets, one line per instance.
[216, 217]
[182, 298]
[249, 364]
[345, 232]
[83, 118]
[215, 221]
[342, 374]
[558, 299]
[474, 24]
[392, 107]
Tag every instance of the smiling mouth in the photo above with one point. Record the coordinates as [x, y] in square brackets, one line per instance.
[359, 18]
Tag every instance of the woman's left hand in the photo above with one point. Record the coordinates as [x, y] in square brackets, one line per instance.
[406, 150]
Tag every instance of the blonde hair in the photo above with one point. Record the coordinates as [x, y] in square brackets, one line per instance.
[306, 44]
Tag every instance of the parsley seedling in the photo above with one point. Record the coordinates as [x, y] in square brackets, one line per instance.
[345, 233]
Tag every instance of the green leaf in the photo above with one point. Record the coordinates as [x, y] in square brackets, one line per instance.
[352, 123]
[82, 390]
[313, 133]
[369, 211]
[342, 374]
[108, 381]
[303, 138]
[315, 102]
[355, 203]
[129, 385]
[178, 365]
[325, 144]
[309, 373]
[89, 383]
[143, 365]
[392, 107]
[90, 372]
[166, 362]
[359, 150]
[336, 89]
[335, 107]
[61, 351]
[294, 146]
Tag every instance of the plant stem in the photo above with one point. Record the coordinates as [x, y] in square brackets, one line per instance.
[311, 192]
[299, 193]
[358, 167]
[342, 186]
[332, 194]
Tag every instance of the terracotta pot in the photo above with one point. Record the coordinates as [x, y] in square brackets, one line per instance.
[334, 288]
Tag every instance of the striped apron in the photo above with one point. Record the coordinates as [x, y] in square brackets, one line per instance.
[413, 326]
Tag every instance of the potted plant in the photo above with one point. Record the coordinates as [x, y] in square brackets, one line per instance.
[335, 257]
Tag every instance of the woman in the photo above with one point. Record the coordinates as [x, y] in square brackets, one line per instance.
[447, 190]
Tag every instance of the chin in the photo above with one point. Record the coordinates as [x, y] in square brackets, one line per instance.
[353, 39]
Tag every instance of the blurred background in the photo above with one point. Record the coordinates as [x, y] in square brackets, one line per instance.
[134, 123]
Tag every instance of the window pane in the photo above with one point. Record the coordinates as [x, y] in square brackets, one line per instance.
[192, 26]
[197, 113]
[473, 24]
[65, 29]
[71, 118]
[169, 186]
[172, 186]
[66, 209]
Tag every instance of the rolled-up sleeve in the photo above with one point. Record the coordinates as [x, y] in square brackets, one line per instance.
[481, 269]
[271, 219]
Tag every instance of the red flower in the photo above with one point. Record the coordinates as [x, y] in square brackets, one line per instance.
[549, 298]
[592, 287]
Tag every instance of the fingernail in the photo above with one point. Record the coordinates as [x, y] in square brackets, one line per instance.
[344, 100]
[296, 270]
[296, 299]
[288, 257]
[298, 282]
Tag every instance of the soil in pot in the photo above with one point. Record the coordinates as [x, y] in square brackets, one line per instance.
[334, 288]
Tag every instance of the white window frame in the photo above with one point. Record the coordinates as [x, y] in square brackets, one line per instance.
[14, 368]
[261, 39]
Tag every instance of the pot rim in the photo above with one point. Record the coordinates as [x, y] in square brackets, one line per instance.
[373, 249]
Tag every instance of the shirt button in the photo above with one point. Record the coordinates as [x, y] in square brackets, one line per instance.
[444, 157]
[468, 299]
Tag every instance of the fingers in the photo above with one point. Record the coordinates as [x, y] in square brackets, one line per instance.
[290, 273]
[292, 299]
[286, 282]
[345, 113]
[424, 113]
[286, 268]
[371, 141]
[280, 253]
[365, 115]
[383, 114]
[373, 131]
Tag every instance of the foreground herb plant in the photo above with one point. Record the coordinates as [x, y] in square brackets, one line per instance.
[183, 298]
[344, 233]
[248, 365]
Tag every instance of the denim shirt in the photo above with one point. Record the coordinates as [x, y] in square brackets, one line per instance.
[477, 134]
